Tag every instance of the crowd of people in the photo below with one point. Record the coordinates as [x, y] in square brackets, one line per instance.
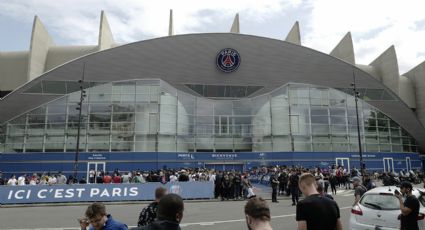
[317, 210]
[166, 211]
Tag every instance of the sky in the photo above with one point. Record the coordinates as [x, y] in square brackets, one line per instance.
[374, 25]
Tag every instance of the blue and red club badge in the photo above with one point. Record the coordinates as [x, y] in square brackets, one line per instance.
[228, 60]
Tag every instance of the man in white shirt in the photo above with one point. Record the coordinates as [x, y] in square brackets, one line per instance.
[173, 178]
[12, 181]
[52, 180]
[21, 179]
[212, 176]
[61, 179]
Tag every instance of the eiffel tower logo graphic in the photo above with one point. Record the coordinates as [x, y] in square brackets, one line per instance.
[228, 61]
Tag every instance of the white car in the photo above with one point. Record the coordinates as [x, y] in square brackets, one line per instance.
[379, 209]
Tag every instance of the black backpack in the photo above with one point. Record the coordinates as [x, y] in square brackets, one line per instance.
[294, 180]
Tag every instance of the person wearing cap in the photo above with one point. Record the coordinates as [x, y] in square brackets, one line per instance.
[257, 214]
[183, 176]
[409, 208]
[359, 189]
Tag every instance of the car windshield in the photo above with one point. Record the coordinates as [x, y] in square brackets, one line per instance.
[380, 201]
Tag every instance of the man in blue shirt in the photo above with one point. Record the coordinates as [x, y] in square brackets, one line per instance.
[98, 219]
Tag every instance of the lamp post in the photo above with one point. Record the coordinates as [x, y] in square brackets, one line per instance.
[356, 98]
[79, 108]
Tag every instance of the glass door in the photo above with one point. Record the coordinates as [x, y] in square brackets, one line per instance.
[408, 164]
[344, 162]
[93, 168]
[388, 164]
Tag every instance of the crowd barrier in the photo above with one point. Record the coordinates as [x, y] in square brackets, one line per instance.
[101, 192]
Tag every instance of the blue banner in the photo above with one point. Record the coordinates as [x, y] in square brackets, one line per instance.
[100, 192]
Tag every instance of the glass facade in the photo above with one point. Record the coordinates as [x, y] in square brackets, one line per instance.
[151, 115]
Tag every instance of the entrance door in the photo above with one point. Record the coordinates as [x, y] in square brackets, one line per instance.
[96, 167]
[388, 164]
[344, 162]
[235, 167]
[225, 167]
[408, 164]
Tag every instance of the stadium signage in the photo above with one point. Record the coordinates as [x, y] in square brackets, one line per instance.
[364, 155]
[224, 155]
[228, 60]
[185, 156]
[97, 156]
[100, 192]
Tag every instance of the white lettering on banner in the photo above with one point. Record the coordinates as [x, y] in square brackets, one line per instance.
[42, 194]
[186, 155]
[69, 193]
[224, 155]
[58, 193]
[97, 157]
[116, 192]
[80, 191]
[105, 193]
[94, 192]
[364, 155]
[17, 196]
[133, 191]
[39, 194]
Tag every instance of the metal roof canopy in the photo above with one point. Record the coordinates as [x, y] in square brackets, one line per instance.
[190, 59]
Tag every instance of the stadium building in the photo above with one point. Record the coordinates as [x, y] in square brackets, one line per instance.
[216, 100]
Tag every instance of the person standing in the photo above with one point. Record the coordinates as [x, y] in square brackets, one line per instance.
[310, 212]
[333, 182]
[293, 184]
[169, 214]
[274, 183]
[283, 182]
[409, 208]
[1, 178]
[148, 214]
[12, 181]
[61, 179]
[359, 189]
[237, 186]
[257, 214]
[21, 179]
[126, 178]
[321, 191]
[107, 179]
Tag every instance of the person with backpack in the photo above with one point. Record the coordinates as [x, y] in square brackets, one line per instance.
[359, 189]
[148, 214]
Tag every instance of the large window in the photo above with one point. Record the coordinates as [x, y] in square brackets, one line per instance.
[150, 115]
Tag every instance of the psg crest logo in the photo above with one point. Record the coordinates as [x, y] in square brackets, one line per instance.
[228, 60]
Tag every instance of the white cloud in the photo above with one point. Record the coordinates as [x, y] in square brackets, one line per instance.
[374, 25]
[133, 20]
